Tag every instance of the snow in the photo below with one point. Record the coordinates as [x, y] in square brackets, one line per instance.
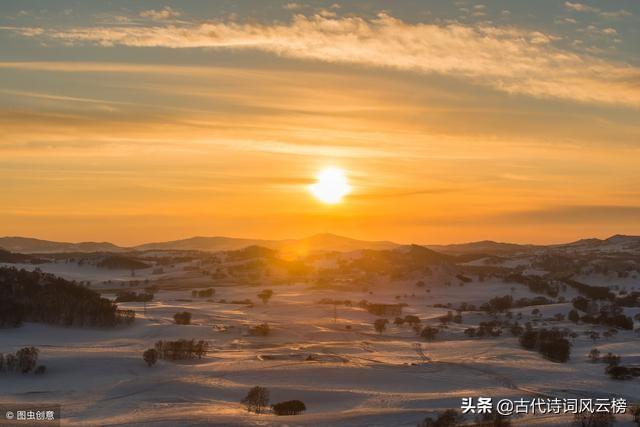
[355, 377]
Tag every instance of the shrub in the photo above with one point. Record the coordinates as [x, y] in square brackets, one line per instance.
[265, 295]
[380, 325]
[449, 418]
[260, 330]
[619, 372]
[429, 333]
[40, 370]
[182, 318]
[256, 399]
[290, 407]
[611, 359]
[150, 356]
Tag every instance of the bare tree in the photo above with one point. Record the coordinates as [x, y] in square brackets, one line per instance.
[256, 400]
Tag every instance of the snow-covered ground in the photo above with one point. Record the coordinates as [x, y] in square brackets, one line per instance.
[332, 359]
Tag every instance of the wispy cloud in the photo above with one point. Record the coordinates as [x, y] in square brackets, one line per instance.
[581, 7]
[536, 65]
[160, 14]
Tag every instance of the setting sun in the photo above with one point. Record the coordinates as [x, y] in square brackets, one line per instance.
[331, 186]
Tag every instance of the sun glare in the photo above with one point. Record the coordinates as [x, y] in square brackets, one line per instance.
[331, 186]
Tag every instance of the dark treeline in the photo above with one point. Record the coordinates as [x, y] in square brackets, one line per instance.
[203, 293]
[536, 284]
[126, 296]
[34, 296]
[593, 292]
[551, 343]
[122, 262]
[14, 258]
[181, 349]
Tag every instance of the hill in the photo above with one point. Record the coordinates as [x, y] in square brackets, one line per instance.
[28, 245]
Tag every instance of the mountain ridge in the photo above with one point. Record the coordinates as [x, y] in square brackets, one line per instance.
[316, 242]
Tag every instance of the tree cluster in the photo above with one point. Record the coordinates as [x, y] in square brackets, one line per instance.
[34, 296]
[551, 343]
[257, 401]
[24, 361]
[181, 349]
[182, 318]
[203, 293]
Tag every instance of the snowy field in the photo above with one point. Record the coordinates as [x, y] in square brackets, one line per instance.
[334, 361]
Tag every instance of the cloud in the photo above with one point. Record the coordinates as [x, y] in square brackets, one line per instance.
[581, 7]
[506, 58]
[160, 15]
[292, 6]
[573, 214]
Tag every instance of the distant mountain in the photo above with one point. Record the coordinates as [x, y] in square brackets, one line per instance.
[29, 245]
[330, 242]
[614, 242]
[210, 244]
[487, 247]
[318, 242]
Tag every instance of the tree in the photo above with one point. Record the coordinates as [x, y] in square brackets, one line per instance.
[256, 399]
[11, 362]
[635, 411]
[182, 318]
[380, 325]
[492, 420]
[619, 372]
[412, 320]
[265, 295]
[449, 418]
[594, 355]
[595, 419]
[429, 333]
[40, 370]
[290, 407]
[574, 316]
[150, 356]
[27, 358]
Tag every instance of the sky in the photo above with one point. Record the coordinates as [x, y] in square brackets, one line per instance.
[453, 121]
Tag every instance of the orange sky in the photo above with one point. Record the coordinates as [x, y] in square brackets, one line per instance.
[161, 135]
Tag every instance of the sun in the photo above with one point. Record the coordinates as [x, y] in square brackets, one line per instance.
[331, 186]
